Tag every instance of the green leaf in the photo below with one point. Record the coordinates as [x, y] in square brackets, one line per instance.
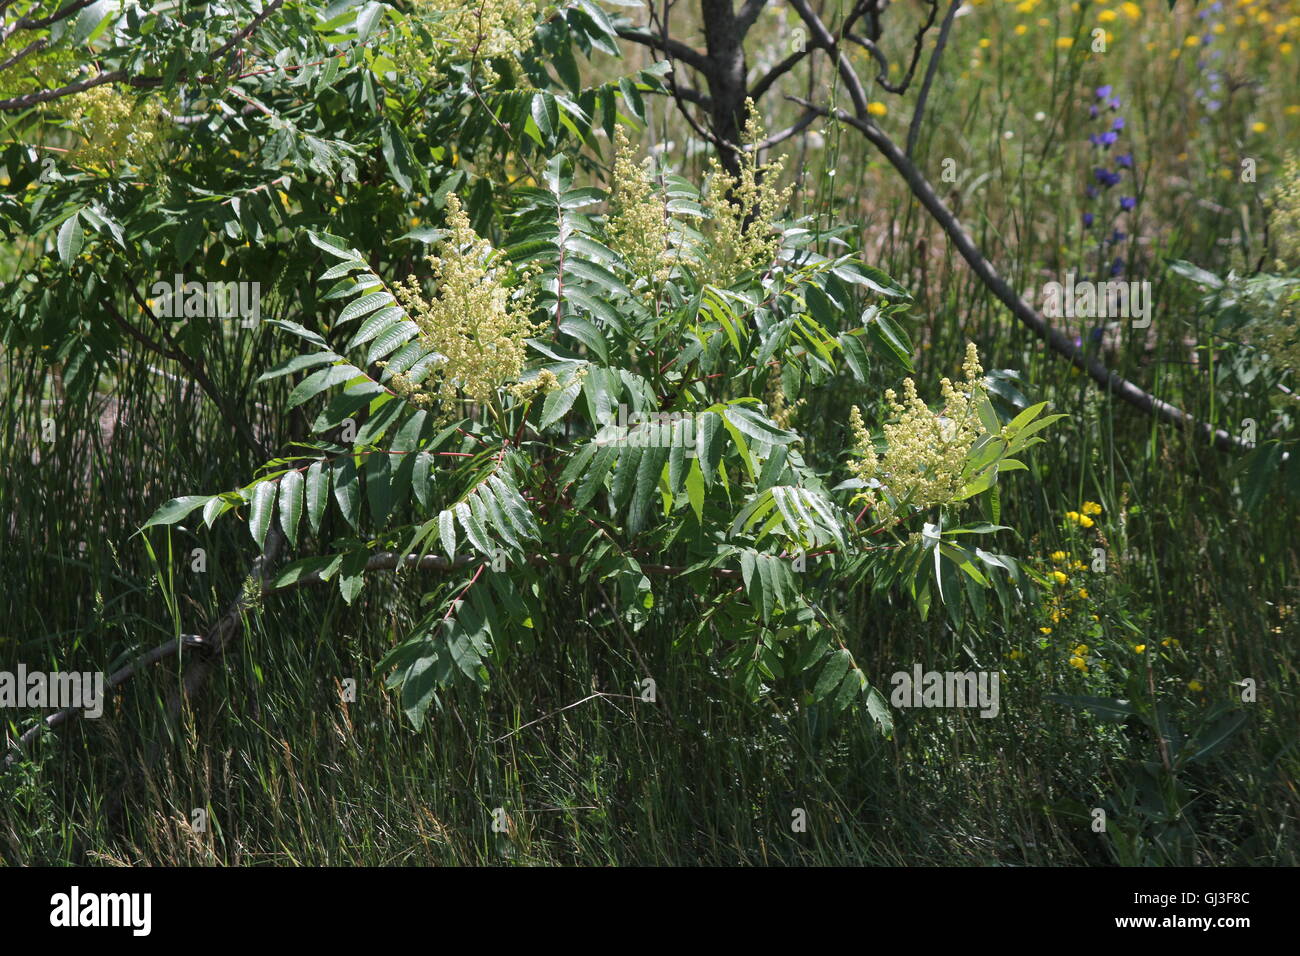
[70, 238]
[297, 363]
[291, 488]
[352, 576]
[447, 532]
[695, 489]
[832, 673]
[474, 529]
[594, 479]
[886, 333]
[260, 511]
[648, 470]
[559, 402]
[710, 445]
[318, 488]
[757, 426]
[176, 509]
[364, 305]
[319, 381]
[397, 154]
[418, 686]
[347, 489]
[1103, 707]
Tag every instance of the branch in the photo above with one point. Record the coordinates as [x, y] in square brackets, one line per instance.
[1118, 385]
[674, 48]
[215, 643]
[225, 632]
[116, 679]
[26, 23]
[822, 38]
[793, 130]
[692, 96]
[914, 130]
[140, 82]
[44, 96]
[771, 76]
[748, 14]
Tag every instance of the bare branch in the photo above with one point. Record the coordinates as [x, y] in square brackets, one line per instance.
[748, 14]
[765, 82]
[1058, 342]
[822, 38]
[914, 130]
[27, 23]
[674, 48]
[794, 129]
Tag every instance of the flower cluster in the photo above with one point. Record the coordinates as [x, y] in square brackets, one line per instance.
[638, 221]
[741, 212]
[925, 453]
[1083, 517]
[778, 406]
[475, 323]
[1208, 95]
[116, 127]
[1105, 177]
[1065, 599]
[482, 31]
[1284, 221]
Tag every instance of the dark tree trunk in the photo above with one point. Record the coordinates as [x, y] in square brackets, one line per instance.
[724, 36]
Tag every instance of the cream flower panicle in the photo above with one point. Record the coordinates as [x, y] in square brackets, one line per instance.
[925, 453]
[475, 322]
[638, 221]
[741, 212]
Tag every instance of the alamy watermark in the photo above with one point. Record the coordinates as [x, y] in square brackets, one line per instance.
[75, 909]
[650, 430]
[946, 689]
[1113, 299]
[207, 300]
[63, 690]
